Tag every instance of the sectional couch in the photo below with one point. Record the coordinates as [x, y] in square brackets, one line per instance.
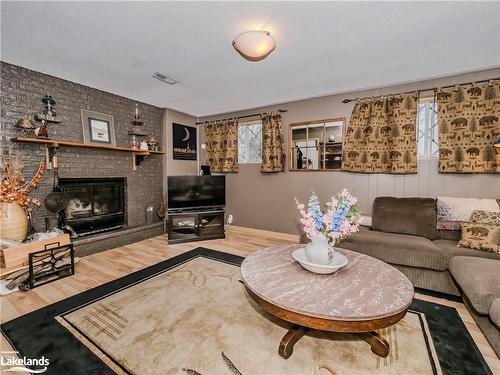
[403, 233]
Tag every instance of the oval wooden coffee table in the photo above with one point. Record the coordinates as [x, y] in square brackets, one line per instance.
[364, 296]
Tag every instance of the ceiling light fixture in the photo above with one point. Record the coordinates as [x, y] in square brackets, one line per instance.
[254, 45]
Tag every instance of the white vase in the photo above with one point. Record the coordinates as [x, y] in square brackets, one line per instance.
[319, 251]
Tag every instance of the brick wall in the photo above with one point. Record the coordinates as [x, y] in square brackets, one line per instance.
[21, 92]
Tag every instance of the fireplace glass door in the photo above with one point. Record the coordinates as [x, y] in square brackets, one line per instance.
[95, 204]
[79, 203]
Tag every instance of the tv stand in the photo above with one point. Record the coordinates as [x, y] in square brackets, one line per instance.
[187, 226]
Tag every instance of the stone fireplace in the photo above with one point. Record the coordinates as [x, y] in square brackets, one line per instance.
[95, 205]
[22, 90]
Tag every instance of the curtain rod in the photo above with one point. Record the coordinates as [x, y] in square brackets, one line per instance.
[345, 101]
[246, 116]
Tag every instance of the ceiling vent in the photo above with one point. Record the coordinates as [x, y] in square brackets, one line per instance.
[164, 78]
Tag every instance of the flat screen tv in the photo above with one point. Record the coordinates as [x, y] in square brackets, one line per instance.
[192, 192]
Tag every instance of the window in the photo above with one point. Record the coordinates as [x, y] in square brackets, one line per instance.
[250, 142]
[316, 145]
[427, 136]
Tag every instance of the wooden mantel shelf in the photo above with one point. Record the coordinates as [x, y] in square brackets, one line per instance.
[136, 160]
[57, 143]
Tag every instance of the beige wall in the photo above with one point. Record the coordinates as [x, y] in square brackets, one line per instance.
[266, 200]
[177, 167]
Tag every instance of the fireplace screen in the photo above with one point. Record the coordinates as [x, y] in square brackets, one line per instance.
[95, 204]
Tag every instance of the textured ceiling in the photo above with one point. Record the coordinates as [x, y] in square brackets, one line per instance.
[322, 47]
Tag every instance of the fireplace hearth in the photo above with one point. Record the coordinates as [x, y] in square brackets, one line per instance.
[95, 205]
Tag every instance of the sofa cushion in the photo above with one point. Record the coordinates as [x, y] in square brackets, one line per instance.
[450, 249]
[479, 279]
[485, 217]
[460, 209]
[495, 312]
[449, 234]
[481, 236]
[413, 216]
[396, 248]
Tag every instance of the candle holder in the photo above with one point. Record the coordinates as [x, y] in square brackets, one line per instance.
[136, 119]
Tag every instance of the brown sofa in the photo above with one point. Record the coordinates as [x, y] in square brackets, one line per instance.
[403, 234]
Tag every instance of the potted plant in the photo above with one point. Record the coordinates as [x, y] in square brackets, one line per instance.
[326, 228]
[14, 199]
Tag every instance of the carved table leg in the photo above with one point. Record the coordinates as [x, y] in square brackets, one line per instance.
[292, 336]
[379, 345]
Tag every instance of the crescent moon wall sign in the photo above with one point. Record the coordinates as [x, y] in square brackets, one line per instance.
[187, 134]
[184, 139]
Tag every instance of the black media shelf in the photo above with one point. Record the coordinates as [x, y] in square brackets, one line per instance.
[191, 226]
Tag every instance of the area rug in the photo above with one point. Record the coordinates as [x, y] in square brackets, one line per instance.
[191, 315]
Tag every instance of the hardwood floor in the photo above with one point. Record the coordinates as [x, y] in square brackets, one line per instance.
[100, 268]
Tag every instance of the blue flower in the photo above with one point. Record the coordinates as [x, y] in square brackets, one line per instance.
[314, 209]
[340, 215]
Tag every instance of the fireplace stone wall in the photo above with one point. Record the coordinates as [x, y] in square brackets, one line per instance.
[21, 93]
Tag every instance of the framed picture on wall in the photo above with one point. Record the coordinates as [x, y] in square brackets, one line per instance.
[184, 142]
[98, 128]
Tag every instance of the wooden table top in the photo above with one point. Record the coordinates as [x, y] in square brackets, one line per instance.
[365, 289]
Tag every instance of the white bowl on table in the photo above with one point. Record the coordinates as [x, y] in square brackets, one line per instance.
[339, 260]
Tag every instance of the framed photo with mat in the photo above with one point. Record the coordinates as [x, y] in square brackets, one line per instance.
[98, 128]
[184, 142]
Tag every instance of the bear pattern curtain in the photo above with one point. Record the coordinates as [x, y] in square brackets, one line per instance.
[273, 146]
[468, 128]
[222, 145]
[381, 137]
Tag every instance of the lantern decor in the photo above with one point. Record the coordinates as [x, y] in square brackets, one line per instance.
[135, 133]
[49, 115]
[14, 199]
[136, 119]
[25, 125]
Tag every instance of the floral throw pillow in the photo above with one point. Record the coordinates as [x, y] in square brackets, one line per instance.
[485, 217]
[481, 237]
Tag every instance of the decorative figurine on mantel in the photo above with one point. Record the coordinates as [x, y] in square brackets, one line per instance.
[25, 125]
[42, 131]
[49, 115]
[153, 144]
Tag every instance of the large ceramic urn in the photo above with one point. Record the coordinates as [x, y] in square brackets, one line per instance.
[13, 222]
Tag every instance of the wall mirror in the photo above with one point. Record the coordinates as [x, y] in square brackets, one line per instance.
[316, 145]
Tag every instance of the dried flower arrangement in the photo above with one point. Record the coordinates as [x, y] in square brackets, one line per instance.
[14, 188]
